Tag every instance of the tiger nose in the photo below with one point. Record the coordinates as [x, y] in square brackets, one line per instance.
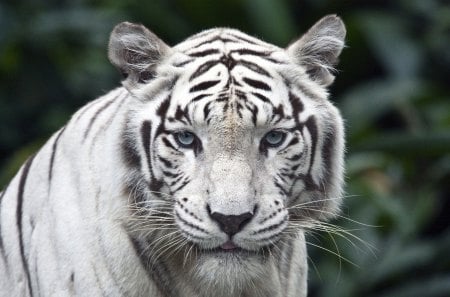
[231, 224]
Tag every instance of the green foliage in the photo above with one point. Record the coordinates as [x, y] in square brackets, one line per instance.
[392, 90]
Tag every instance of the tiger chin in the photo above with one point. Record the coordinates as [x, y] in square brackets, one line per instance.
[198, 177]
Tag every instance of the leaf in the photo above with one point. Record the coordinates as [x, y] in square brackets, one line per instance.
[391, 39]
[406, 144]
[362, 105]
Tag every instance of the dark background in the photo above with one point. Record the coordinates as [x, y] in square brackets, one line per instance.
[393, 90]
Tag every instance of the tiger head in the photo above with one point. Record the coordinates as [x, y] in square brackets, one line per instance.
[231, 142]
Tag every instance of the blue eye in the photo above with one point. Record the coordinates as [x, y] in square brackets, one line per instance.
[274, 138]
[185, 139]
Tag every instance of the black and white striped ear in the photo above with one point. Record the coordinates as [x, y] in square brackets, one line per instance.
[319, 48]
[136, 52]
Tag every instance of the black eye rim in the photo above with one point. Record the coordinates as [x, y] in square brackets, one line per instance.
[272, 145]
[183, 145]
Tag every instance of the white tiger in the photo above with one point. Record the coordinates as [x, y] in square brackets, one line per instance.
[198, 177]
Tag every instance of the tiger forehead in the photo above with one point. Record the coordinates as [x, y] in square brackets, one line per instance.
[229, 81]
[231, 108]
[221, 36]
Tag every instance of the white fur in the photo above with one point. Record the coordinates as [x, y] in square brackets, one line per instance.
[81, 224]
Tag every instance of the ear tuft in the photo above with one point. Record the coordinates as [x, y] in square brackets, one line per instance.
[135, 51]
[319, 48]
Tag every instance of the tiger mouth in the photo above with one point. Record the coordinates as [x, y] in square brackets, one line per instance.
[234, 251]
[230, 248]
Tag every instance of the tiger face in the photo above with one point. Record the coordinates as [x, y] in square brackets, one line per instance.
[234, 137]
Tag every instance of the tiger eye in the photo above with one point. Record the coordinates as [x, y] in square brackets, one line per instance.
[274, 138]
[185, 138]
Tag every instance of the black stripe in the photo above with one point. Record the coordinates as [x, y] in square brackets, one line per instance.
[254, 114]
[52, 158]
[157, 271]
[310, 185]
[246, 51]
[303, 89]
[190, 225]
[328, 152]
[311, 125]
[166, 162]
[176, 181]
[202, 69]
[241, 95]
[233, 81]
[162, 113]
[261, 97]
[278, 113]
[264, 54]
[238, 107]
[128, 150]
[228, 62]
[206, 110]
[185, 182]
[181, 64]
[111, 118]
[94, 117]
[271, 238]
[281, 177]
[254, 67]
[83, 110]
[2, 249]
[283, 191]
[204, 85]
[256, 84]
[293, 141]
[210, 40]
[163, 108]
[169, 144]
[274, 213]
[213, 39]
[182, 113]
[199, 97]
[247, 40]
[222, 98]
[297, 105]
[155, 185]
[203, 53]
[170, 174]
[295, 157]
[20, 195]
[271, 227]
[187, 211]
[146, 129]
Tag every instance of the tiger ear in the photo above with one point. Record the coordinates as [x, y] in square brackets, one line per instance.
[319, 48]
[136, 52]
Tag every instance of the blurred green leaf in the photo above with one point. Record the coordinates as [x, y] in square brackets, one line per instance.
[402, 143]
[392, 42]
[364, 103]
